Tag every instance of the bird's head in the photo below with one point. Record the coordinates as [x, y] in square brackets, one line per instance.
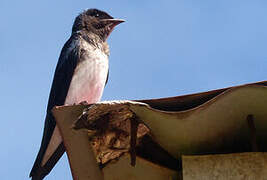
[95, 21]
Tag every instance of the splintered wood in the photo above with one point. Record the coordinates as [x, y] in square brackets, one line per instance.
[113, 133]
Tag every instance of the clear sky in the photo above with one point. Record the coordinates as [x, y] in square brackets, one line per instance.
[166, 48]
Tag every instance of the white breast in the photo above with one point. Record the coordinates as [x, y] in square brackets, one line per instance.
[89, 77]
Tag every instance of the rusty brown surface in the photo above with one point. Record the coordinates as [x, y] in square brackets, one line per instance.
[186, 102]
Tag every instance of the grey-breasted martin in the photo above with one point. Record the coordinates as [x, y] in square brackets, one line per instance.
[80, 75]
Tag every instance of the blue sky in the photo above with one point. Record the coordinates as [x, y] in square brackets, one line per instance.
[166, 48]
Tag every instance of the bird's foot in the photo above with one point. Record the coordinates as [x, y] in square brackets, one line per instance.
[84, 103]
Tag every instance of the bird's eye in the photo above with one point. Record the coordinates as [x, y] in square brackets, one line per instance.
[96, 15]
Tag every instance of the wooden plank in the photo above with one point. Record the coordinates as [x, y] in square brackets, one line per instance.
[81, 157]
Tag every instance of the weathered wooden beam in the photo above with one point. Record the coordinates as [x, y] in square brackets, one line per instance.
[81, 157]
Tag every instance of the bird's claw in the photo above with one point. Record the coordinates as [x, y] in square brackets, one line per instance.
[84, 103]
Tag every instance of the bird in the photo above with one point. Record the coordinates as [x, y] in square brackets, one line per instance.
[81, 74]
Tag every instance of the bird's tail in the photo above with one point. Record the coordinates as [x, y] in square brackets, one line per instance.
[38, 171]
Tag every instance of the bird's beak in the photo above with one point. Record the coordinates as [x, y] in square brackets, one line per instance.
[112, 22]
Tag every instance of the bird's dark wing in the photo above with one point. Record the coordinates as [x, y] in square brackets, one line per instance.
[64, 71]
